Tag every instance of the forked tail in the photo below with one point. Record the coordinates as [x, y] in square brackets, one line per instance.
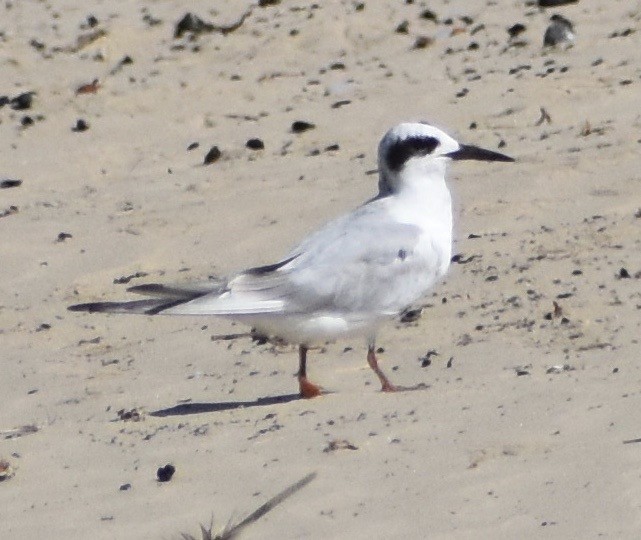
[163, 297]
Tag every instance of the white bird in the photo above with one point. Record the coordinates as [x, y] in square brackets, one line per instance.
[350, 276]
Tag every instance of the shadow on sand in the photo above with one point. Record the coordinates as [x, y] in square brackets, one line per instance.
[198, 408]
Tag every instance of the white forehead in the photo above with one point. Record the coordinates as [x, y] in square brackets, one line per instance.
[407, 130]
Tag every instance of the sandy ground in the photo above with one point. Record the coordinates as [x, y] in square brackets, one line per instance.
[522, 436]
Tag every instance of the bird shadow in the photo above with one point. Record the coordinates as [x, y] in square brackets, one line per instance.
[184, 409]
[419, 386]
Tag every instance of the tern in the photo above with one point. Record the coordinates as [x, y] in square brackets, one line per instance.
[353, 274]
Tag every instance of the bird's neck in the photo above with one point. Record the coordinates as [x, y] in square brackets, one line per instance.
[422, 196]
[424, 183]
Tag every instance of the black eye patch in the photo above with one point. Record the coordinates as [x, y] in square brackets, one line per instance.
[402, 150]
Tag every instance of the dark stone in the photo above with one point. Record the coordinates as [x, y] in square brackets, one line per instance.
[255, 144]
[80, 126]
[516, 30]
[22, 101]
[422, 42]
[559, 31]
[299, 126]
[429, 15]
[165, 473]
[556, 3]
[402, 28]
[410, 315]
[8, 183]
[193, 24]
[63, 236]
[212, 156]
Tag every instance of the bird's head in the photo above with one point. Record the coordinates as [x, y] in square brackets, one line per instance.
[417, 148]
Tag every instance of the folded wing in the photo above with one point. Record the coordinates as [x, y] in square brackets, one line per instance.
[350, 265]
[361, 262]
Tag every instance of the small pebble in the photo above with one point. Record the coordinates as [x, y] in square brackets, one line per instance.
[624, 274]
[422, 42]
[22, 101]
[193, 24]
[165, 473]
[92, 21]
[63, 236]
[300, 126]
[516, 30]
[4, 184]
[559, 32]
[212, 156]
[428, 15]
[89, 88]
[255, 144]
[80, 126]
[402, 28]
[556, 3]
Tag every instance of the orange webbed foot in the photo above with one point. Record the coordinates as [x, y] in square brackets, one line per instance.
[389, 387]
[308, 389]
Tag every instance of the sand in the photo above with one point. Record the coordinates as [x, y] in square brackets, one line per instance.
[528, 421]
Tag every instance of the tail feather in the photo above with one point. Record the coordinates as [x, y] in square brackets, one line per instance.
[187, 292]
[148, 307]
[164, 297]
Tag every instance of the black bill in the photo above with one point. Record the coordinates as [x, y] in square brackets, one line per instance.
[479, 154]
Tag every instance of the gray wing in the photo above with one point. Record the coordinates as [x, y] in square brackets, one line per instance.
[363, 261]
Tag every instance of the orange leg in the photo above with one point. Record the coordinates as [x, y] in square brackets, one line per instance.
[386, 385]
[307, 389]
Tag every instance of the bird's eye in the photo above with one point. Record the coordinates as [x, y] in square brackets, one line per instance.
[404, 149]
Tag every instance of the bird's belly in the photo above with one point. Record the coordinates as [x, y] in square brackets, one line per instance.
[318, 328]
